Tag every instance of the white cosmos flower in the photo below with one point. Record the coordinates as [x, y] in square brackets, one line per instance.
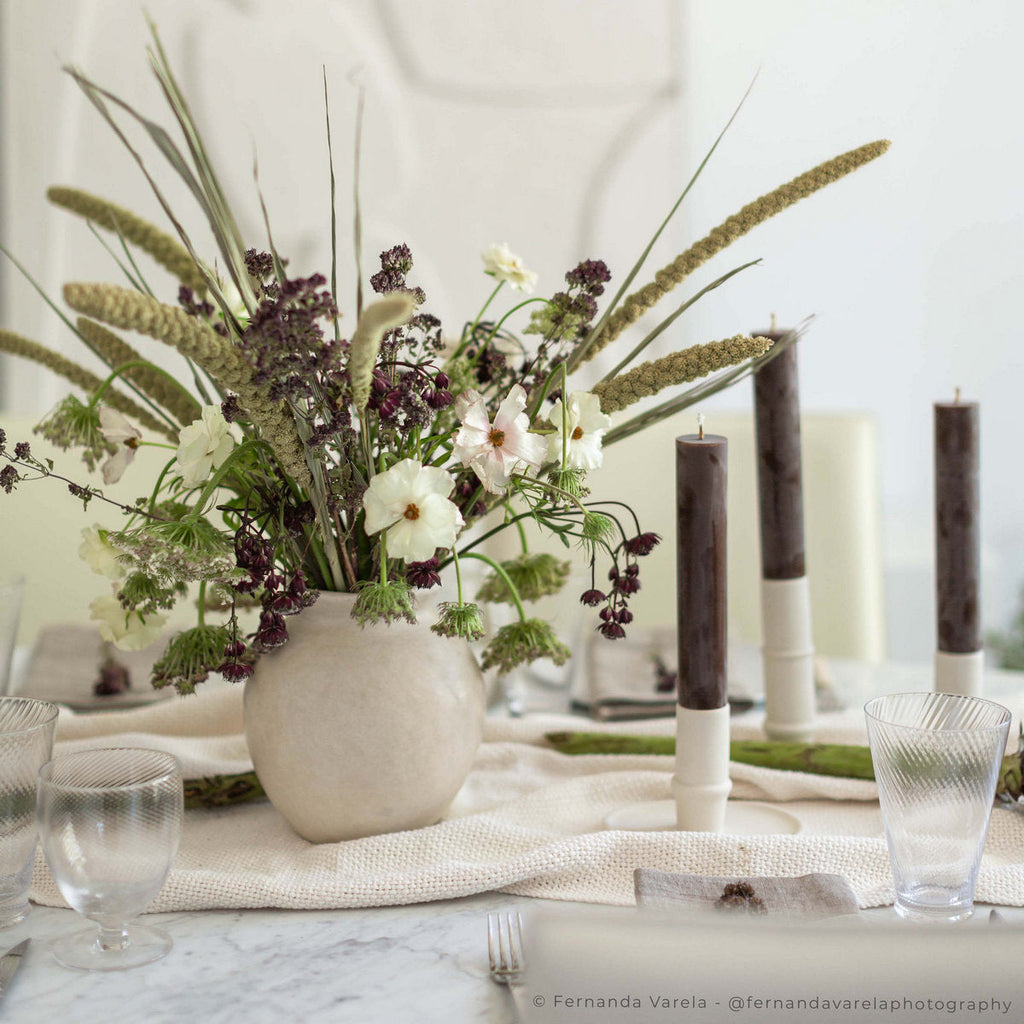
[99, 554]
[585, 426]
[504, 265]
[118, 430]
[203, 446]
[495, 450]
[410, 501]
[126, 630]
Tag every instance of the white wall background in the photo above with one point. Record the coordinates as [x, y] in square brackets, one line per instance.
[566, 127]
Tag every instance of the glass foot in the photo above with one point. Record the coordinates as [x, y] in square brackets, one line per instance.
[83, 950]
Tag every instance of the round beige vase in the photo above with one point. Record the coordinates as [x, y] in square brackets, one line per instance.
[354, 732]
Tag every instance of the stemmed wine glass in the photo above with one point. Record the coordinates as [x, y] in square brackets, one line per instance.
[110, 823]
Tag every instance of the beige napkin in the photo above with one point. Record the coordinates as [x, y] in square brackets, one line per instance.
[65, 664]
[814, 895]
[621, 679]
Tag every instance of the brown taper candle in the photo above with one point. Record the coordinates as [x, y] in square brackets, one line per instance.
[779, 479]
[700, 569]
[957, 527]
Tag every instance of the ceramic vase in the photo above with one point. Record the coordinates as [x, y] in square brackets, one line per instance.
[359, 731]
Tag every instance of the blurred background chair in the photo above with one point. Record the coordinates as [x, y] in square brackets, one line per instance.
[842, 524]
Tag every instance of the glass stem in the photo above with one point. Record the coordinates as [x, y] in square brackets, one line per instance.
[112, 940]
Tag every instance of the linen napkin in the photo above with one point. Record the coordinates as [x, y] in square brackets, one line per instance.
[66, 662]
[813, 895]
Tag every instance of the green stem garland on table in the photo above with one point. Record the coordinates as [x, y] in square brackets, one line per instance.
[847, 761]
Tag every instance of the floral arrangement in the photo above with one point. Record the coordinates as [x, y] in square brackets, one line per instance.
[308, 457]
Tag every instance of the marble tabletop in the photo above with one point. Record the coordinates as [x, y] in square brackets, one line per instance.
[425, 962]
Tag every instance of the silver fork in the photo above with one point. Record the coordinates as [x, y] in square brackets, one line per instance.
[505, 946]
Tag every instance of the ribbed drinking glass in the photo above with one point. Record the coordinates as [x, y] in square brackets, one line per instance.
[110, 824]
[11, 594]
[937, 758]
[26, 742]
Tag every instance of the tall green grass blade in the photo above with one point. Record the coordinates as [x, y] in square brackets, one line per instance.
[669, 320]
[577, 357]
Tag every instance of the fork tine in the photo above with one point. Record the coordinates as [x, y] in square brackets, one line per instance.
[493, 942]
[504, 945]
[515, 940]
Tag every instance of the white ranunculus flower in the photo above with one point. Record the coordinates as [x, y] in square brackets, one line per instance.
[97, 552]
[410, 501]
[127, 630]
[203, 446]
[495, 450]
[504, 265]
[585, 425]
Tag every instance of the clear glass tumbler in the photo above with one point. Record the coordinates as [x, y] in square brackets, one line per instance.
[26, 743]
[937, 758]
[11, 594]
[110, 824]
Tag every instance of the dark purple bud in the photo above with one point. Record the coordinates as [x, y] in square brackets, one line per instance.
[22, 450]
[627, 584]
[283, 603]
[440, 399]
[234, 649]
[606, 614]
[442, 380]
[9, 477]
[642, 544]
[612, 630]
[624, 616]
[423, 575]
[633, 569]
[390, 404]
[592, 598]
[272, 631]
[235, 671]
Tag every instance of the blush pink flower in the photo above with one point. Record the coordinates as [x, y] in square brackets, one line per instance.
[495, 450]
[117, 430]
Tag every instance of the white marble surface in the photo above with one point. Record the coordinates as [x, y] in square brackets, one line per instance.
[423, 963]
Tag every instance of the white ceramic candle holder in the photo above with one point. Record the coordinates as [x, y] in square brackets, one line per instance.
[788, 659]
[701, 786]
[960, 673]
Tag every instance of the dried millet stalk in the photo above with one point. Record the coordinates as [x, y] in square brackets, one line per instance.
[376, 319]
[165, 249]
[121, 307]
[678, 368]
[634, 306]
[127, 309]
[16, 345]
[116, 352]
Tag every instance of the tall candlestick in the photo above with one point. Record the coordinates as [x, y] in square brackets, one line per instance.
[788, 649]
[700, 783]
[957, 548]
[779, 471]
[701, 462]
